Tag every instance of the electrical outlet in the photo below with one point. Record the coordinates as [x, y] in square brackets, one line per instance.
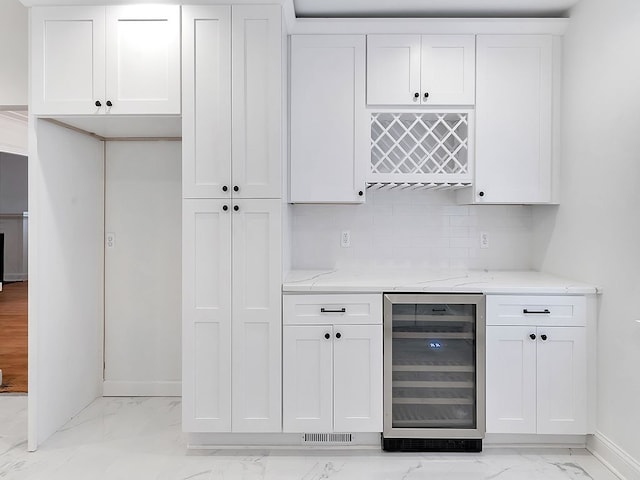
[111, 240]
[484, 240]
[345, 239]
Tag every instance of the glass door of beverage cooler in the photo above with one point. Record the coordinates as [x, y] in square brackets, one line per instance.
[434, 366]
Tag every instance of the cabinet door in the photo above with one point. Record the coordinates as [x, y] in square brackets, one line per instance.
[511, 379]
[329, 147]
[257, 315]
[393, 69]
[513, 119]
[357, 377]
[206, 316]
[67, 60]
[143, 59]
[448, 69]
[562, 380]
[206, 102]
[307, 378]
[256, 74]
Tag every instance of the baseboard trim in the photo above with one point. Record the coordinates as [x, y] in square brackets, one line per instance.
[275, 441]
[520, 440]
[15, 277]
[113, 388]
[616, 459]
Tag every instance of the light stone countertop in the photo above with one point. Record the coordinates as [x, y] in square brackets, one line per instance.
[432, 281]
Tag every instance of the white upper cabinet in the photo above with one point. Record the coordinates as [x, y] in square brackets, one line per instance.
[256, 76]
[143, 59]
[393, 70]
[67, 60]
[514, 119]
[206, 102]
[329, 147]
[231, 136]
[105, 60]
[420, 69]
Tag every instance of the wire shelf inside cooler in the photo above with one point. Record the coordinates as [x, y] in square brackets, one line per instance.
[431, 352]
[435, 416]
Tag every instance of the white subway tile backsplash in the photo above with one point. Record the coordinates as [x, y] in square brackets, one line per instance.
[411, 229]
[463, 221]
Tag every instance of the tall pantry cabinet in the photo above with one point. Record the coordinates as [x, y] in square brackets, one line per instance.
[231, 77]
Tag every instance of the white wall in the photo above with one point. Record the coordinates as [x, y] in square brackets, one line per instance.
[13, 183]
[143, 283]
[66, 177]
[13, 201]
[594, 235]
[411, 228]
[13, 53]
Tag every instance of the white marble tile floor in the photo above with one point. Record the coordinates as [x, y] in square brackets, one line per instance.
[140, 438]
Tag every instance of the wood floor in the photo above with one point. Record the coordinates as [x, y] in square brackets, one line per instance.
[13, 337]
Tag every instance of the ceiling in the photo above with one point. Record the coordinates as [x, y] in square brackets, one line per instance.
[432, 8]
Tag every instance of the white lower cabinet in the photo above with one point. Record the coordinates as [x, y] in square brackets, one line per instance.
[332, 372]
[536, 367]
[231, 315]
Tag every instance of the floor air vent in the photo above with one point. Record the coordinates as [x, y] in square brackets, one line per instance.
[327, 438]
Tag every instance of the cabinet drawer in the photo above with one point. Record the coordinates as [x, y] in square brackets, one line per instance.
[536, 310]
[332, 309]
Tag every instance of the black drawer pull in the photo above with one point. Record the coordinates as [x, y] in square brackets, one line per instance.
[537, 312]
[330, 310]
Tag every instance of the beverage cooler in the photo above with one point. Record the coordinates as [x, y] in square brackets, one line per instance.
[434, 372]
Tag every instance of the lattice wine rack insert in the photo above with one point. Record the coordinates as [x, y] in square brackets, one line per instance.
[419, 150]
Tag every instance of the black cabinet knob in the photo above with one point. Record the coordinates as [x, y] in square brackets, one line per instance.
[236, 188]
[98, 104]
[225, 188]
[416, 95]
[543, 337]
[109, 104]
[338, 335]
[532, 336]
[327, 336]
[481, 194]
[426, 94]
[360, 193]
[236, 208]
[225, 207]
